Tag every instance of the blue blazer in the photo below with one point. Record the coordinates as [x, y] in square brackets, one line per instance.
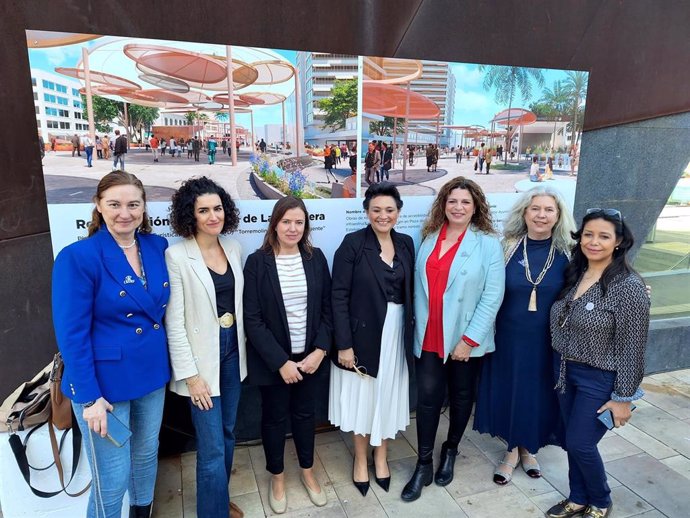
[473, 295]
[108, 327]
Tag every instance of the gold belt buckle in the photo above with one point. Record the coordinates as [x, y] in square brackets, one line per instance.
[227, 320]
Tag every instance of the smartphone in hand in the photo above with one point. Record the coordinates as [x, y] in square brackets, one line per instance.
[118, 433]
[606, 417]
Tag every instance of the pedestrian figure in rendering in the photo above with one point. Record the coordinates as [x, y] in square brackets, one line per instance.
[76, 145]
[211, 146]
[119, 151]
[196, 147]
[372, 161]
[328, 163]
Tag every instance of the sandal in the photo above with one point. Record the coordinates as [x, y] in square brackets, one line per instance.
[530, 465]
[502, 476]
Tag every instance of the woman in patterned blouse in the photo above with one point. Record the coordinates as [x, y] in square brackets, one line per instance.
[599, 332]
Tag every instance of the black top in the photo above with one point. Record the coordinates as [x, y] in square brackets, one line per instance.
[394, 280]
[225, 290]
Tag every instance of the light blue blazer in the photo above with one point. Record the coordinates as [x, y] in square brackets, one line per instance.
[108, 327]
[473, 295]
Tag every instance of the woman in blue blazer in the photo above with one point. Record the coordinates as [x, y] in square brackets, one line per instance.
[109, 297]
[459, 283]
[287, 318]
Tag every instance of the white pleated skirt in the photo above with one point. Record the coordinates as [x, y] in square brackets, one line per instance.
[378, 407]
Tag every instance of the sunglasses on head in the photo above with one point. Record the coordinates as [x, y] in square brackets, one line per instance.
[612, 213]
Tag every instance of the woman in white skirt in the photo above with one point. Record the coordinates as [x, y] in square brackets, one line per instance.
[373, 323]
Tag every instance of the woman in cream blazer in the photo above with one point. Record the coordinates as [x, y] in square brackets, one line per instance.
[205, 331]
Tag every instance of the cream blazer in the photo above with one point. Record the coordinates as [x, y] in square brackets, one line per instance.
[191, 320]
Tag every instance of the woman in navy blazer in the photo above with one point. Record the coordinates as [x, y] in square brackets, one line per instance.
[287, 318]
[459, 284]
[109, 297]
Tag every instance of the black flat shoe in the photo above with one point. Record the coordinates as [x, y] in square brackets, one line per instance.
[423, 476]
[444, 473]
[565, 509]
[384, 483]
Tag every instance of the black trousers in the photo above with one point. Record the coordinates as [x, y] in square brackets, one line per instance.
[433, 378]
[278, 403]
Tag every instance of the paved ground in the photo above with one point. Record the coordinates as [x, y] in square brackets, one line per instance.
[648, 462]
[68, 180]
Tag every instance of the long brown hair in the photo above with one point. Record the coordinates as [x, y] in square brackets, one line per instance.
[283, 205]
[481, 218]
[115, 179]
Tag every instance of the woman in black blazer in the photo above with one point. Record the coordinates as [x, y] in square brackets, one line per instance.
[287, 319]
[373, 322]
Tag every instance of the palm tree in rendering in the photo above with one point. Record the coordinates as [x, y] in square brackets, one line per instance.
[508, 81]
[576, 87]
[556, 101]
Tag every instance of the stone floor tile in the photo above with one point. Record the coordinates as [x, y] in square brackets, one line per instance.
[337, 461]
[331, 510]
[473, 474]
[327, 437]
[400, 448]
[435, 501]
[674, 398]
[547, 500]
[242, 479]
[188, 463]
[357, 506]
[168, 489]
[554, 467]
[506, 501]
[683, 375]
[650, 514]
[612, 481]
[485, 442]
[626, 503]
[530, 486]
[654, 482]
[251, 504]
[647, 443]
[664, 427]
[679, 464]
[615, 447]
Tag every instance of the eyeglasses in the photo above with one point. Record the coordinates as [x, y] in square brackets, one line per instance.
[563, 319]
[360, 369]
[612, 213]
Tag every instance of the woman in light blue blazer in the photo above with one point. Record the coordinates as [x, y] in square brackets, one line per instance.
[459, 282]
[109, 297]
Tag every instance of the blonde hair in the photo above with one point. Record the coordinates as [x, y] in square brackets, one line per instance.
[515, 226]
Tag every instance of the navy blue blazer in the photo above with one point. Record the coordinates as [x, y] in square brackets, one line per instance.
[108, 327]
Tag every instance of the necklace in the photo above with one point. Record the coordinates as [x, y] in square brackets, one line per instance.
[127, 247]
[532, 306]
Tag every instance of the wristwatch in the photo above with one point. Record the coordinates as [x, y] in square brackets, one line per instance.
[88, 404]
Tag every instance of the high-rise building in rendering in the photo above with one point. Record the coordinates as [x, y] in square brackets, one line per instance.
[318, 73]
[59, 110]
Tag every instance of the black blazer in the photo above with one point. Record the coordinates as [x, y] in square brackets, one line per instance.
[359, 296]
[265, 322]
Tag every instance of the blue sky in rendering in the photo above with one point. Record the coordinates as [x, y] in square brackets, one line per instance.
[474, 105]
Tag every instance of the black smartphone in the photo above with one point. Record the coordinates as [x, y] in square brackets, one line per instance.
[118, 433]
[606, 417]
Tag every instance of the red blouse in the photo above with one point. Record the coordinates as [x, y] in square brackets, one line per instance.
[437, 271]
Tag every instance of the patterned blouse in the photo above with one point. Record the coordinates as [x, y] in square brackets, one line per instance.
[607, 332]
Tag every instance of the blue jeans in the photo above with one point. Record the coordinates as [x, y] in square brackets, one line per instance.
[215, 433]
[587, 389]
[130, 468]
[119, 158]
[89, 155]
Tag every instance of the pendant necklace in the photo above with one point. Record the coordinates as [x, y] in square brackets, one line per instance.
[127, 247]
[532, 306]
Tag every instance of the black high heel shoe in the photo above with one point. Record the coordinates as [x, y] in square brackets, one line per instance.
[384, 483]
[363, 487]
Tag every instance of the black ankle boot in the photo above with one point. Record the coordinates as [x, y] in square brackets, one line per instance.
[423, 476]
[140, 511]
[444, 473]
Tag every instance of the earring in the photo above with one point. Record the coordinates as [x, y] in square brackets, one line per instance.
[617, 248]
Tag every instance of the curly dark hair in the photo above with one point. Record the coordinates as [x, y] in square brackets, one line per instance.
[481, 218]
[182, 218]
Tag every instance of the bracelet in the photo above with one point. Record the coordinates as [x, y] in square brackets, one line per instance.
[192, 380]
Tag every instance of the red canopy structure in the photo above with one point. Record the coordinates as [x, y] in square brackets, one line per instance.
[46, 39]
[515, 117]
[99, 77]
[391, 101]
